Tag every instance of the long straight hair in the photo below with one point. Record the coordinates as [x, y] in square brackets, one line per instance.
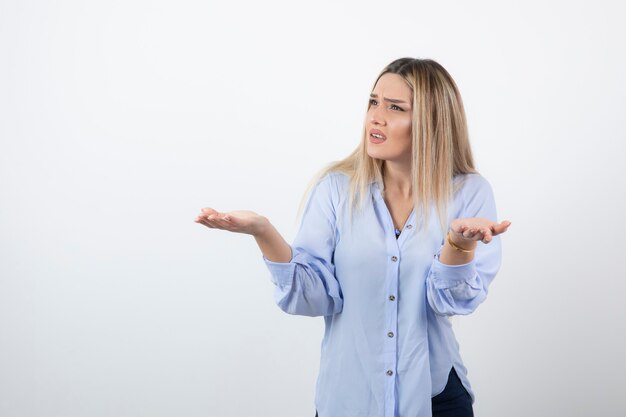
[439, 138]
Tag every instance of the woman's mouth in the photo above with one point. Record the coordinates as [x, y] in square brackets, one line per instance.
[376, 138]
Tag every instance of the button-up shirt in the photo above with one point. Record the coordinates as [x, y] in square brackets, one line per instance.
[388, 345]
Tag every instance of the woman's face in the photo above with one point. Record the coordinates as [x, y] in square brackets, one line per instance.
[389, 114]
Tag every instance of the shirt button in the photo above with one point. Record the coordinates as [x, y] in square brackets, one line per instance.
[389, 372]
[390, 334]
[391, 297]
[394, 258]
[409, 226]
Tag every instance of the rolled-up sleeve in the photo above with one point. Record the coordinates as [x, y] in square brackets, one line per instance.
[459, 289]
[306, 285]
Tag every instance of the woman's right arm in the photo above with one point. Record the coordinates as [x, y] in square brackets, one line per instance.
[303, 273]
[272, 244]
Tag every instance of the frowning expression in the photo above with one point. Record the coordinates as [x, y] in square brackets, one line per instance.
[388, 120]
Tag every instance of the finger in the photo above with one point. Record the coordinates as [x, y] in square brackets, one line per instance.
[207, 223]
[458, 228]
[212, 220]
[469, 232]
[204, 216]
[220, 222]
[207, 210]
[200, 219]
[501, 228]
[213, 216]
[480, 234]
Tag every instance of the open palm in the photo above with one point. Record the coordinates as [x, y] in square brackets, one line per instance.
[238, 221]
[476, 228]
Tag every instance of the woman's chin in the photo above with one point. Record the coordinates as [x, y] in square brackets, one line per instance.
[375, 153]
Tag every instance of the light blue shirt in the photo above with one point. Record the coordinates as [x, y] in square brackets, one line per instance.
[388, 345]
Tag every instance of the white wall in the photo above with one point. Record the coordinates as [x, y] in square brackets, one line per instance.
[119, 120]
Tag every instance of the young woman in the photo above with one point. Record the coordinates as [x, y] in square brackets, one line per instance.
[394, 239]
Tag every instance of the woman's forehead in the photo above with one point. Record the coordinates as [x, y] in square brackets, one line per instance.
[392, 86]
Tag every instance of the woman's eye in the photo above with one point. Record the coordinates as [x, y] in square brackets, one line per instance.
[393, 106]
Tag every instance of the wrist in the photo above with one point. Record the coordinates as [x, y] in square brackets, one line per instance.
[263, 228]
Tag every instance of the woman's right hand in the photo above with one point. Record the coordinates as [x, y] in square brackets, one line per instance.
[238, 221]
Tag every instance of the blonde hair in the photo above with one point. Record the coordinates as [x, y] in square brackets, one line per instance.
[440, 143]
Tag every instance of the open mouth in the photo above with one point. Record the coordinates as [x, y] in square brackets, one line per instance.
[377, 138]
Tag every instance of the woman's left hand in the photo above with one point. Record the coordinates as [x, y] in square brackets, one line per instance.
[462, 231]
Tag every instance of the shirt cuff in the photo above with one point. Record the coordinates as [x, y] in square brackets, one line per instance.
[446, 276]
[281, 272]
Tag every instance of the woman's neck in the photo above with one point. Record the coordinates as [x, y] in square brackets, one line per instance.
[397, 179]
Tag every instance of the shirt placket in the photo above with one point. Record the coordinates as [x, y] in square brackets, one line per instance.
[390, 350]
[391, 325]
[390, 346]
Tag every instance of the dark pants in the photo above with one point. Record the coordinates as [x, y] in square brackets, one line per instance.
[453, 401]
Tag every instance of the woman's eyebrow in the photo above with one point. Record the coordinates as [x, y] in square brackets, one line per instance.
[393, 100]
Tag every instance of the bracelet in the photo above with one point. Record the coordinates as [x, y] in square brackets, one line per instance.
[455, 246]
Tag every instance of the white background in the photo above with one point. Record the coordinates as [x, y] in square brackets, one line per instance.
[120, 120]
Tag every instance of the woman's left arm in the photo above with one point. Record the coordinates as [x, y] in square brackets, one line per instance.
[458, 280]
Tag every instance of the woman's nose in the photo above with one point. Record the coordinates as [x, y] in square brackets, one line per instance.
[376, 117]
